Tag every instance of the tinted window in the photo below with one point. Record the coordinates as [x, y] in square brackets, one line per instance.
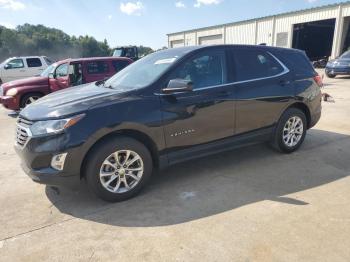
[298, 62]
[16, 63]
[62, 70]
[203, 70]
[254, 64]
[119, 65]
[34, 62]
[97, 67]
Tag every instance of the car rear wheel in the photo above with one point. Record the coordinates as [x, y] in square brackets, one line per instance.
[118, 169]
[29, 99]
[290, 131]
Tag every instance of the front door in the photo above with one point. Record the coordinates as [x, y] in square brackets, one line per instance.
[13, 70]
[60, 79]
[205, 114]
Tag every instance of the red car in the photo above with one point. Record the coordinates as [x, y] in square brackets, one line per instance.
[66, 73]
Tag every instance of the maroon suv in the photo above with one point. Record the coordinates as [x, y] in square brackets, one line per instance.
[66, 73]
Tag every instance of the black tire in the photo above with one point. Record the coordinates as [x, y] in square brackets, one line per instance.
[26, 99]
[101, 153]
[330, 75]
[277, 140]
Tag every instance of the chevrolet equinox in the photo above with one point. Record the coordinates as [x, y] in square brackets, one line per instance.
[168, 107]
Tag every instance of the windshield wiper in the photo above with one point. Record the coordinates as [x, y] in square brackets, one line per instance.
[100, 82]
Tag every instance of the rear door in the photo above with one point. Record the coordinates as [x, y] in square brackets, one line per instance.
[35, 66]
[205, 114]
[263, 85]
[96, 70]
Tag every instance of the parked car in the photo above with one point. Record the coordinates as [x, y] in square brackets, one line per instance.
[131, 52]
[339, 66]
[21, 67]
[71, 72]
[168, 107]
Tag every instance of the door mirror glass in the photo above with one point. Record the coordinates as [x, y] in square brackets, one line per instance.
[178, 85]
[51, 75]
[7, 66]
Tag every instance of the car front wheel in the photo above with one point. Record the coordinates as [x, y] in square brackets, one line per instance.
[29, 99]
[290, 131]
[118, 169]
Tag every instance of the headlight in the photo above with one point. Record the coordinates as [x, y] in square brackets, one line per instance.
[54, 126]
[11, 92]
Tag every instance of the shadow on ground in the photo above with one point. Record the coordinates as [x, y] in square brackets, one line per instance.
[212, 185]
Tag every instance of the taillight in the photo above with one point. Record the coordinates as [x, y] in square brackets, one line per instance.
[318, 80]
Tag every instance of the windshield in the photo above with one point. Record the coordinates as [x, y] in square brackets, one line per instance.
[117, 52]
[5, 62]
[346, 55]
[48, 70]
[143, 72]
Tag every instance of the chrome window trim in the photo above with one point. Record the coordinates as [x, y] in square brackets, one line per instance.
[284, 72]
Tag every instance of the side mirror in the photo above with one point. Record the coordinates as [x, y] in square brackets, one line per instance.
[177, 86]
[52, 75]
[7, 66]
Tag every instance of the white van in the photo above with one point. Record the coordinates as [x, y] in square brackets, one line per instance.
[21, 67]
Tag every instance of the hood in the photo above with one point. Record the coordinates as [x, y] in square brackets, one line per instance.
[70, 101]
[36, 80]
[341, 62]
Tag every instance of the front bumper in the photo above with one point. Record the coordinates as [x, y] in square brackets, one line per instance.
[36, 158]
[338, 70]
[9, 102]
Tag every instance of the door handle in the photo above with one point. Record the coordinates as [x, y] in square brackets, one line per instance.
[284, 82]
[223, 93]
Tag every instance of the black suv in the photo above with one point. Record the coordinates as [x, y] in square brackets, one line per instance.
[168, 107]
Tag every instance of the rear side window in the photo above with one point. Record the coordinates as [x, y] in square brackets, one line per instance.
[97, 67]
[119, 64]
[34, 62]
[299, 63]
[255, 64]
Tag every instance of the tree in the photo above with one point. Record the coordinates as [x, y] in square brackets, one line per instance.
[41, 40]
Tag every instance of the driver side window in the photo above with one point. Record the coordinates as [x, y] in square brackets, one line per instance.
[204, 70]
[62, 70]
[15, 63]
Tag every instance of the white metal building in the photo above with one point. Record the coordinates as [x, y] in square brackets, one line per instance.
[321, 31]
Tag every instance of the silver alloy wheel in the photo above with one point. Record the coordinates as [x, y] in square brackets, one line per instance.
[293, 131]
[121, 171]
[31, 100]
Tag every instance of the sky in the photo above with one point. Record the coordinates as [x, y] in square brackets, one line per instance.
[140, 22]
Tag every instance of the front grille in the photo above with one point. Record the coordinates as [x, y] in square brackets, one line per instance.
[22, 131]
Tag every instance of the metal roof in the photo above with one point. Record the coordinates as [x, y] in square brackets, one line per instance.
[261, 18]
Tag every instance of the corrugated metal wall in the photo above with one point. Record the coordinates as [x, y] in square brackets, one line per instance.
[241, 33]
[266, 30]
